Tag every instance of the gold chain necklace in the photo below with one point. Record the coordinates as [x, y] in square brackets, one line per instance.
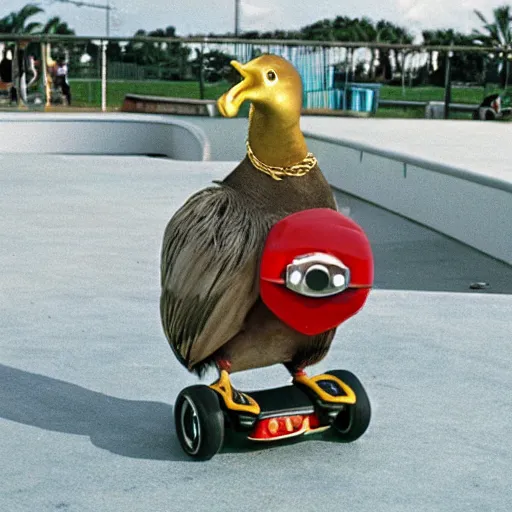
[299, 169]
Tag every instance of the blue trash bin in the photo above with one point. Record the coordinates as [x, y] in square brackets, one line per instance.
[362, 97]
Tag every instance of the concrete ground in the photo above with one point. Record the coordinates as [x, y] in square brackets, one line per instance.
[87, 380]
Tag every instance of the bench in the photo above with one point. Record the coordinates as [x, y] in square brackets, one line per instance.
[166, 105]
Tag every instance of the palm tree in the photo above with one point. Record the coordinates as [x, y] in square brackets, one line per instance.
[466, 66]
[345, 29]
[393, 34]
[439, 37]
[367, 32]
[57, 26]
[381, 32]
[497, 33]
[16, 22]
[321, 30]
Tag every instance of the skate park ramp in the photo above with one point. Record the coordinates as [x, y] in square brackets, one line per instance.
[88, 382]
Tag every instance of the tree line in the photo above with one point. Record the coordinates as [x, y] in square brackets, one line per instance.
[175, 57]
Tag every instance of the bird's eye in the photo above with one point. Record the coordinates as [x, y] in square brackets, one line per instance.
[271, 75]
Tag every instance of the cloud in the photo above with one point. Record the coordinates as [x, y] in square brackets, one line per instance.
[257, 17]
[198, 16]
[255, 12]
[442, 13]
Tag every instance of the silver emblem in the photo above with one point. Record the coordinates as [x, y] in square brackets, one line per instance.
[317, 275]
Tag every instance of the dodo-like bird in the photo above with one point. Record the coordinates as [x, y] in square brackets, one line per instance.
[211, 309]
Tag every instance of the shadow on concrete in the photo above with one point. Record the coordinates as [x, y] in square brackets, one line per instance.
[131, 428]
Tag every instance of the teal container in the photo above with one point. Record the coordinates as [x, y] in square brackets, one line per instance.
[355, 97]
[362, 97]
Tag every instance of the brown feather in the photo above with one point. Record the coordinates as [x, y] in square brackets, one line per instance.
[210, 256]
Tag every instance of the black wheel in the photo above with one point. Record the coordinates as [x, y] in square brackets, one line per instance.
[351, 423]
[199, 422]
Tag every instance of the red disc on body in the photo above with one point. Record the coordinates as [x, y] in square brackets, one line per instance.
[319, 230]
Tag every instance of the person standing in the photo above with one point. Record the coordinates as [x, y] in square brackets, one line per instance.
[61, 79]
[6, 68]
[19, 74]
[22, 65]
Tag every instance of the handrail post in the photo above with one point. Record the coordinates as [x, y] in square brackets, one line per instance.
[448, 85]
[201, 71]
[104, 75]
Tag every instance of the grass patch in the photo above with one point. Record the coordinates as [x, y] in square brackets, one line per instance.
[472, 95]
[402, 113]
[87, 93]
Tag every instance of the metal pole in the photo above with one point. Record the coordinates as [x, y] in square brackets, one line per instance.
[104, 72]
[201, 72]
[403, 73]
[507, 70]
[108, 18]
[484, 72]
[345, 92]
[44, 76]
[104, 75]
[447, 85]
[237, 17]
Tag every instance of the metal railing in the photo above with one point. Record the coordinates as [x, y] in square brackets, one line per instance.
[336, 75]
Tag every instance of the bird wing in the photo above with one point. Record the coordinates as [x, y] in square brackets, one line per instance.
[209, 266]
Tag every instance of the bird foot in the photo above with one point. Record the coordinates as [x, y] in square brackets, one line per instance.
[233, 399]
[327, 388]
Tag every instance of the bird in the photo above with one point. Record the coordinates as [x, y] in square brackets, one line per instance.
[210, 306]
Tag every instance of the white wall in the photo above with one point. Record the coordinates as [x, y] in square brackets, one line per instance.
[102, 134]
[474, 211]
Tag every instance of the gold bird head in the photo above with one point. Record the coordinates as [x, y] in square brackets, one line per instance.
[270, 83]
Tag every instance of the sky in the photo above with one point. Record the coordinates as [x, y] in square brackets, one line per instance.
[205, 16]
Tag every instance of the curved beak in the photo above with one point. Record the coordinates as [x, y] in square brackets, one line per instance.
[230, 102]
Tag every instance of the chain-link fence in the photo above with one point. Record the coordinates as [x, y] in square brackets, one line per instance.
[358, 78]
